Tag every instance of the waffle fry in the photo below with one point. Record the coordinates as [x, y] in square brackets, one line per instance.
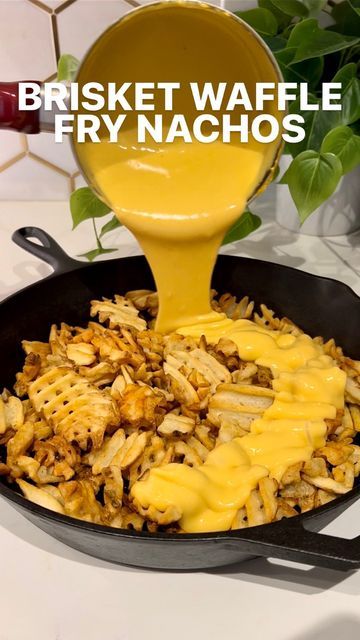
[121, 313]
[198, 360]
[11, 413]
[102, 458]
[239, 403]
[144, 300]
[81, 353]
[98, 407]
[175, 426]
[78, 410]
[40, 497]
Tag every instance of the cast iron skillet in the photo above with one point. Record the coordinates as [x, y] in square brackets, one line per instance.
[319, 305]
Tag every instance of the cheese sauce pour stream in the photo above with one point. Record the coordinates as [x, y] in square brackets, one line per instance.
[179, 199]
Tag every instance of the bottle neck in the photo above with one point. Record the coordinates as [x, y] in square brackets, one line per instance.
[47, 118]
[11, 117]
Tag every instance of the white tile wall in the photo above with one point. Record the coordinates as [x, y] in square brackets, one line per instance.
[27, 178]
[83, 22]
[32, 35]
[26, 41]
[11, 145]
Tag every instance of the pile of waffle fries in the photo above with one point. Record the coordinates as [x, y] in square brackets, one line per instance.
[97, 407]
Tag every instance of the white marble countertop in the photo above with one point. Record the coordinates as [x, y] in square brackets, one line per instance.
[51, 592]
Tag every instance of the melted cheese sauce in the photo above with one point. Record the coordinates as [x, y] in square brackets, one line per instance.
[308, 387]
[179, 199]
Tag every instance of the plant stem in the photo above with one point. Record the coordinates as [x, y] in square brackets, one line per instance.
[98, 242]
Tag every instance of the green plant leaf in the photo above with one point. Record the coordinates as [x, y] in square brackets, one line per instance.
[94, 253]
[355, 4]
[345, 145]
[291, 7]
[312, 178]
[275, 43]
[314, 7]
[84, 204]
[114, 223]
[67, 68]
[246, 224]
[309, 71]
[262, 20]
[346, 18]
[282, 18]
[350, 92]
[355, 127]
[316, 125]
[311, 41]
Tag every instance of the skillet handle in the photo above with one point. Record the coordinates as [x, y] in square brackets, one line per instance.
[289, 540]
[49, 250]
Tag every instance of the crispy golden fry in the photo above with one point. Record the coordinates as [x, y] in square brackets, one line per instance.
[186, 454]
[198, 360]
[328, 484]
[121, 313]
[154, 455]
[245, 374]
[240, 521]
[268, 489]
[80, 501]
[11, 413]
[113, 493]
[268, 319]
[40, 497]
[315, 467]
[239, 403]
[144, 300]
[229, 430]
[254, 511]
[142, 406]
[132, 449]
[20, 443]
[204, 435]
[102, 458]
[78, 410]
[235, 309]
[355, 416]
[81, 353]
[180, 387]
[176, 426]
[171, 514]
[335, 452]
[352, 391]
[30, 370]
[300, 495]
[292, 474]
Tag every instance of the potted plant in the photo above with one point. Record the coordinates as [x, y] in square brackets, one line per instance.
[314, 41]
[320, 175]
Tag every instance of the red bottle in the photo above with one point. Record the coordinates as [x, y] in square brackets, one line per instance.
[26, 121]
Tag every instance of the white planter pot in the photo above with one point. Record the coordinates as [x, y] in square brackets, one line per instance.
[339, 215]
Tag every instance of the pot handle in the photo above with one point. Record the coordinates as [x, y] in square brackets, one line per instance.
[288, 539]
[49, 250]
[10, 115]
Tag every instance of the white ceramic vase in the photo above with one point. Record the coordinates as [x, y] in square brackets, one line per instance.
[339, 215]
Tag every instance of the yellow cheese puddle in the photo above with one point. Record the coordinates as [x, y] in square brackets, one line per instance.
[308, 389]
[179, 199]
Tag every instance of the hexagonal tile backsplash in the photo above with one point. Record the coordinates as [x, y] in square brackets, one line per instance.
[33, 34]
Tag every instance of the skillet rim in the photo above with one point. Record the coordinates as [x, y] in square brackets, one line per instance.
[79, 265]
